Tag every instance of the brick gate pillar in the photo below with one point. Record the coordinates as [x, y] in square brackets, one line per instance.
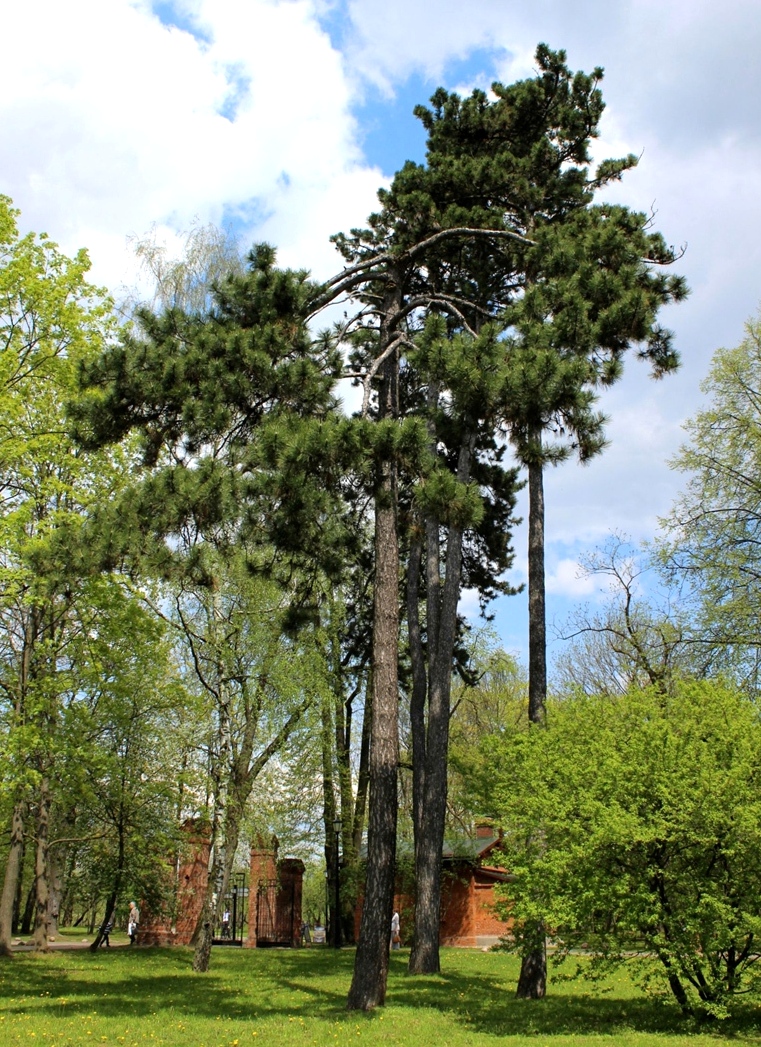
[262, 870]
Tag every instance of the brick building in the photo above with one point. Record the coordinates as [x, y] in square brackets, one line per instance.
[468, 917]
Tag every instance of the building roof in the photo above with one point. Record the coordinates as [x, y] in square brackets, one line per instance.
[461, 848]
[469, 849]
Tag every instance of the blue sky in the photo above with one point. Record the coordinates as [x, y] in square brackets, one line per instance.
[284, 117]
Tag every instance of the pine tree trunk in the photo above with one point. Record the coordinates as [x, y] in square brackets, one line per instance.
[431, 793]
[537, 614]
[368, 986]
[12, 878]
[532, 982]
[430, 821]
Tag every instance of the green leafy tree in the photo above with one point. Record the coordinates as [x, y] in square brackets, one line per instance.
[257, 685]
[490, 700]
[641, 838]
[710, 544]
[51, 319]
[123, 758]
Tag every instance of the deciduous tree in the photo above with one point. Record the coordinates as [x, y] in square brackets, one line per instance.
[711, 535]
[641, 836]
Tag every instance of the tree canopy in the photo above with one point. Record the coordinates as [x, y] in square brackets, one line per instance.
[641, 836]
[710, 544]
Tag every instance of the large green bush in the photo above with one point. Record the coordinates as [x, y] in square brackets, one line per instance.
[633, 824]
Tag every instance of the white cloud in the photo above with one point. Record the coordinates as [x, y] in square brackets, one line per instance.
[568, 578]
[390, 41]
[113, 121]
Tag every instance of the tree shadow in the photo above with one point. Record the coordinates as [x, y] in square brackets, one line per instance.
[309, 984]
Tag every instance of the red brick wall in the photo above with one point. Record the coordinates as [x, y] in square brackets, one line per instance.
[457, 917]
[191, 888]
[486, 921]
[467, 913]
[160, 928]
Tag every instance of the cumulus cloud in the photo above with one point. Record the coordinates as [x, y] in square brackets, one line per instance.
[114, 121]
[568, 578]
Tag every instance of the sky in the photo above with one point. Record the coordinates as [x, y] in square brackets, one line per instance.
[280, 119]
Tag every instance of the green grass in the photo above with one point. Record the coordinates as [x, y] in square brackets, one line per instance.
[138, 997]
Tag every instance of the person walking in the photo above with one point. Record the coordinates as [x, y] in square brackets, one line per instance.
[396, 931]
[132, 922]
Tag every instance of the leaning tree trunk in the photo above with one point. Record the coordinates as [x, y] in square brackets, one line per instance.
[108, 915]
[12, 878]
[532, 982]
[368, 986]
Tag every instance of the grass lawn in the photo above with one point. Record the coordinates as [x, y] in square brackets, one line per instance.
[286, 998]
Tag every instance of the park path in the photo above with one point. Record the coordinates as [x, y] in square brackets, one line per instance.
[63, 945]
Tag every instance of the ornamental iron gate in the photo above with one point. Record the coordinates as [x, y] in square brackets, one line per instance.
[275, 913]
[230, 930]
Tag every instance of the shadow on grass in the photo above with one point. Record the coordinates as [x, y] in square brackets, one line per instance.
[476, 992]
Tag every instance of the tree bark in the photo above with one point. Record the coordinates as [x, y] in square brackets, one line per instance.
[42, 867]
[432, 792]
[12, 878]
[368, 987]
[537, 615]
[532, 982]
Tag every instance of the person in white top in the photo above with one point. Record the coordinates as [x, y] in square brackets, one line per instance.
[396, 931]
